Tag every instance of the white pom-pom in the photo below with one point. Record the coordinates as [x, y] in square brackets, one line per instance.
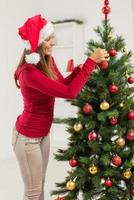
[32, 58]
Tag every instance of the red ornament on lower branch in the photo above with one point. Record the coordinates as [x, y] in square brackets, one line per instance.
[87, 108]
[108, 183]
[131, 80]
[92, 136]
[73, 163]
[117, 161]
[130, 135]
[132, 191]
[113, 121]
[130, 115]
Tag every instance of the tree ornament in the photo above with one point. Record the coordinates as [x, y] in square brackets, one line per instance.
[93, 170]
[113, 88]
[92, 136]
[110, 35]
[112, 52]
[113, 121]
[124, 51]
[120, 142]
[106, 10]
[104, 105]
[103, 65]
[87, 108]
[59, 198]
[116, 160]
[132, 192]
[130, 80]
[127, 174]
[132, 99]
[132, 161]
[130, 135]
[130, 115]
[121, 104]
[78, 127]
[71, 185]
[73, 162]
[108, 183]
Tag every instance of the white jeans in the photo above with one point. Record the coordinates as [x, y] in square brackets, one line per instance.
[32, 155]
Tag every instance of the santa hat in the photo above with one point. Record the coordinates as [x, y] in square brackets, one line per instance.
[34, 31]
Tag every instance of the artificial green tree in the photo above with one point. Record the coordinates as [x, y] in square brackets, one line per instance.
[100, 152]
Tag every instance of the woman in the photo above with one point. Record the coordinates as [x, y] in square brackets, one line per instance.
[40, 82]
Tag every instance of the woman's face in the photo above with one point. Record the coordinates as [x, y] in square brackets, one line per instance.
[47, 45]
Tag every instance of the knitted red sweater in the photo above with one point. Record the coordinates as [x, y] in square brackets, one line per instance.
[39, 93]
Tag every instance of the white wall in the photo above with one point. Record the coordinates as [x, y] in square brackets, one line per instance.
[13, 14]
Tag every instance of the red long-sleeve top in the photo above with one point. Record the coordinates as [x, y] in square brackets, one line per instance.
[39, 93]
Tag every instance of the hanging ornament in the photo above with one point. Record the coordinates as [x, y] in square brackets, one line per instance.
[104, 105]
[78, 127]
[110, 35]
[121, 104]
[116, 160]
[108, 183]
[87, 108]
[132, 161]
[132, 191]
[130, 80]
[113, 121]
[93, 170]
[132, 99]
[71, 185]
[127, 174]
[113, 88]
[130, 135]
[73, 162]
[130, 115]
[120, 142]
[59, 198]
[124, 51]
[92, 136]
[112, 52]
[103, 65]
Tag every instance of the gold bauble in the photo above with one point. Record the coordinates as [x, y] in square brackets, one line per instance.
[127, 174]
[124, 51]
[132, 100]
[110, 35]
[104, 105]
[93, 170]
[120, 141]
[132, 162]
[70, 185]
[78, 127]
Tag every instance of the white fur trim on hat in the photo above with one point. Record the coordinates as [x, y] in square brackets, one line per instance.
[32, 58]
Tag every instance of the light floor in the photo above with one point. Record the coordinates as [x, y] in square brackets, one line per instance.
[11, 185]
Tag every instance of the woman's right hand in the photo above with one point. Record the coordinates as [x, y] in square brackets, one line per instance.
[99, 55]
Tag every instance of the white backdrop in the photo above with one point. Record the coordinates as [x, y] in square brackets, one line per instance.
[14, 13]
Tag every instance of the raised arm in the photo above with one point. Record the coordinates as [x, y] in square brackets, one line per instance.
[32, 77]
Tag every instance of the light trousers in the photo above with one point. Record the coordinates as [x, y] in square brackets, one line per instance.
[32, 156]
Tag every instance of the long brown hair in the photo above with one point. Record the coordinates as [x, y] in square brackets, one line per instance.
[44, 65]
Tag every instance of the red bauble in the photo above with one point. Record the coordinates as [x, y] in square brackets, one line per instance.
[132, 191]
[108, 183]
[113, 121]
[130, 135]
[131, 80]
[59, 198]
[117, 161]
[130, 115]
[92, 136]
[113, 89]
[112, 52]
[106, 10]
[103, 65]
[87, 108]
[73, 163]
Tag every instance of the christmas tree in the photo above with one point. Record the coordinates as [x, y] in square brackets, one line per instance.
[100, 150]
